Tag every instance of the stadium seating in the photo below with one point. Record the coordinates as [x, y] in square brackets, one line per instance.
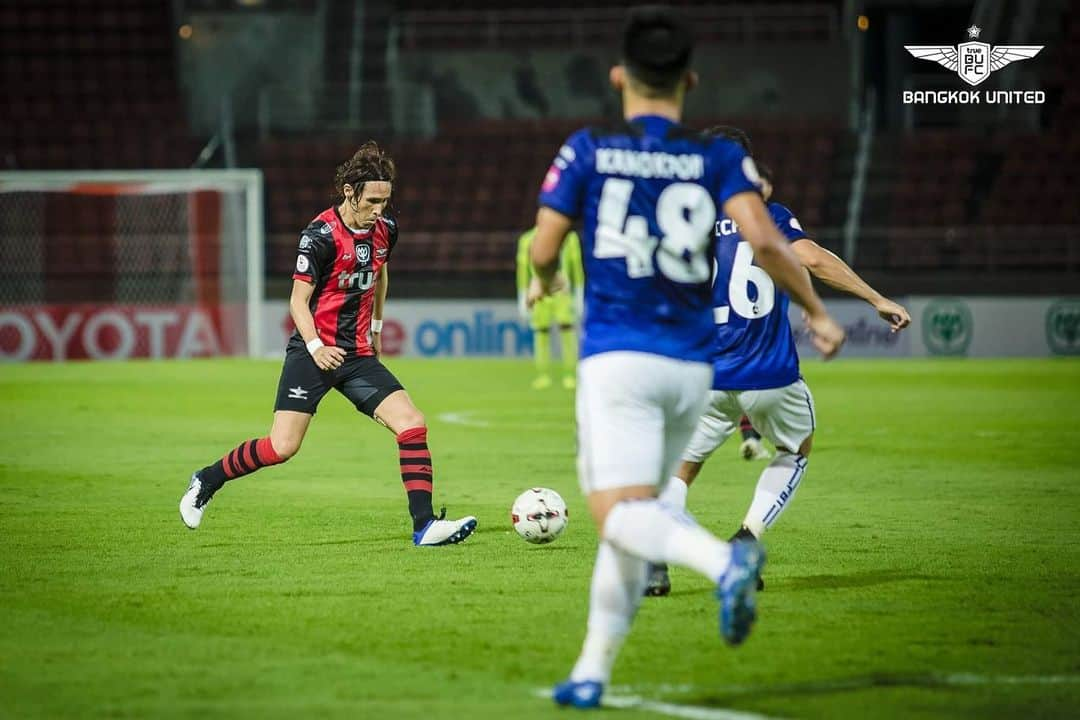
[90, 87]
[494, 24]
[481, 179]
[94, 84]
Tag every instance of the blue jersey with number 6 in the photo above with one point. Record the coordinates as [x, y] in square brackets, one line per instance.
[755, 348]
[647, 193]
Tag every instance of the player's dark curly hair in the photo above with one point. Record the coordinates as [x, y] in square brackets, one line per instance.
[368, 164]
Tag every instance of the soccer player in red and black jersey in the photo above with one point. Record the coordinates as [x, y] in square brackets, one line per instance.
[338, 294]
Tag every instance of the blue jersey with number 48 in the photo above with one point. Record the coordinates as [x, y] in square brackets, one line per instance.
[647, 193]
[755, 349]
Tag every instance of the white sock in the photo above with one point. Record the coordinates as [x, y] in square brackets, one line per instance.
[618, 584]
[775, 488]
[674, 493]
[657, 533]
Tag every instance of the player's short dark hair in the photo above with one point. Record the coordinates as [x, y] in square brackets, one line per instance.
[368, 164]
[734, 134]
[656, 46]
[739, 137]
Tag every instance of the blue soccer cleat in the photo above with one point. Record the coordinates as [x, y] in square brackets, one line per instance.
[585, 694]
[736, 589]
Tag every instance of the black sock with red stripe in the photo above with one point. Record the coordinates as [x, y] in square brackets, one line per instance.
[242, 460]
[416, 474]
[747, 429]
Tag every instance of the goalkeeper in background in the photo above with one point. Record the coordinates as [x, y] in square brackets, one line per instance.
[559, 308]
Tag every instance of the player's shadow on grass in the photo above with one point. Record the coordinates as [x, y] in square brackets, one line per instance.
[355, 540]
[727, 697]
[867, 578]
[800, 583]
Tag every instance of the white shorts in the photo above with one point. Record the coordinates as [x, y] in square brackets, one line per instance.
[784, 415]
[635, 412]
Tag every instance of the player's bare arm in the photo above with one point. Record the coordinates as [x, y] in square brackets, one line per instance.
[551, 229]
[327, 357]
[834, 272]
[382, 284]
[772, 253]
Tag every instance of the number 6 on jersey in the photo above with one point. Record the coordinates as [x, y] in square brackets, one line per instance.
[745, 273]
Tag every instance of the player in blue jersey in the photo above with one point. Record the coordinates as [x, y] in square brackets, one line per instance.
[756, 368]
[647, 192]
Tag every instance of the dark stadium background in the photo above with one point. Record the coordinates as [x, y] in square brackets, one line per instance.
[927, 569]
[473, 101]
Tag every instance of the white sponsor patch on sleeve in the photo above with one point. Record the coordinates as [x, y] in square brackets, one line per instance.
[551, 180]
[750, 170]
[302, 264]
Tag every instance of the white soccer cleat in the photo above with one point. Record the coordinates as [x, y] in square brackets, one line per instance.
[753, 449]
[192, 505]
[444, 532]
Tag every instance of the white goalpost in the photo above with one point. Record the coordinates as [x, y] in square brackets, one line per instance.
[124, 264]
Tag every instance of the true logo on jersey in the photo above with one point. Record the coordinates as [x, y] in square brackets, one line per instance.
[305, 242]
[359, 280]
[302, 264]
[363, 254]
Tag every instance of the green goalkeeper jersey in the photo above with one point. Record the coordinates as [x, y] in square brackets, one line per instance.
[569, 262]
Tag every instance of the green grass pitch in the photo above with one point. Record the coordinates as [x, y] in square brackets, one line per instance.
[927, 568]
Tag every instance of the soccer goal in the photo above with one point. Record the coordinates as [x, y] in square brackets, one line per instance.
[117, 264]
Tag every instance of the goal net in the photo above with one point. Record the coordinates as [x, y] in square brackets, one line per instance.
[118, 265]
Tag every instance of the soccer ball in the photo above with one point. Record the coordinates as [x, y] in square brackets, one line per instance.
[539, 515]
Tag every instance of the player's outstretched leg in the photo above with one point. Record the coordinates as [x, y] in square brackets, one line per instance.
[673, 495]
[776, 487]
[416, 474]
[617, 583]
[398, 413]
[657, 533]
[242, 460]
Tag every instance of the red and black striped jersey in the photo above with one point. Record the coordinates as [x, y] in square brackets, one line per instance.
[342, 264]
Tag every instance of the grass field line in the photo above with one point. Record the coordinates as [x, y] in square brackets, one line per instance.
[468, 418]
[632, 699]
[689, 712]
[463, 418]
[929, 680]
